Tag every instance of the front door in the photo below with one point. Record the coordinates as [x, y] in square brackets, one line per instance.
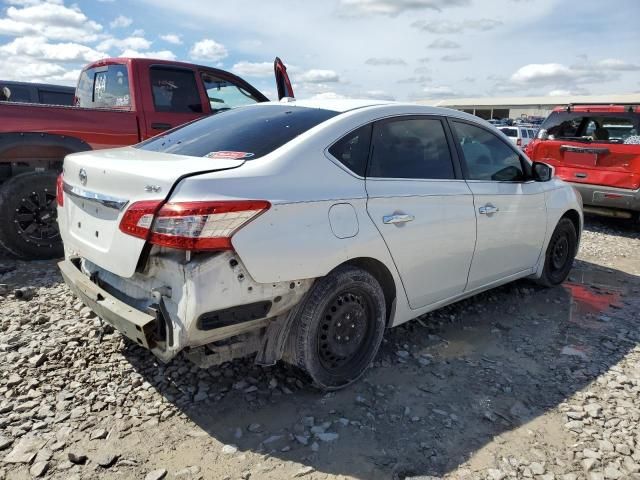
[510, 208]
[421, 206]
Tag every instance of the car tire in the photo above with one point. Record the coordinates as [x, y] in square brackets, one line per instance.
[28, 216]
[338, 328]
[561, 251]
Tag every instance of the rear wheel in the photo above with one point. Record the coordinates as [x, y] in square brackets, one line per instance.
[28, 216]
[339, 328]
[560, 253]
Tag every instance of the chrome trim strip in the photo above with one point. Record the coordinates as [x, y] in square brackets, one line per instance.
[104, 200]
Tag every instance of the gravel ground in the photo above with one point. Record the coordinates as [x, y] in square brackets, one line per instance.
[520, 382]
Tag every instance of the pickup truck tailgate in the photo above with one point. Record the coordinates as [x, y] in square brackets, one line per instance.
[100, 186]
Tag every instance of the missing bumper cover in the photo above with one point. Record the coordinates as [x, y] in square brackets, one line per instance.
[233, 315]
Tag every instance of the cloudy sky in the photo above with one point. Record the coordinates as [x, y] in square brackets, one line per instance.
[390, 49]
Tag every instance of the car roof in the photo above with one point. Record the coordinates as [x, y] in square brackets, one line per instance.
[346, 105]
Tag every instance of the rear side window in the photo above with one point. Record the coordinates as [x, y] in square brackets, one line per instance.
[353, 150]
[524, 133]
[19, 94]
[532, 134]
[224, 94]
[411, 148]
[601, 127]
[174, 90]
[510, 132]
[55, 98]
[486, 156]
[104, 87]
[244, 132]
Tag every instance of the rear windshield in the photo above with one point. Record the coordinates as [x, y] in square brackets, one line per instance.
[510, 132]
[244, 132]
[601, 127]
[104, 87]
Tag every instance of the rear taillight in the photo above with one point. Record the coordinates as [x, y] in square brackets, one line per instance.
[190, 225]
[519, 142]
[60, 190]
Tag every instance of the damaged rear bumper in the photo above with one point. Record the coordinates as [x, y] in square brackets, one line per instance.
[136, 325]
[177, 304]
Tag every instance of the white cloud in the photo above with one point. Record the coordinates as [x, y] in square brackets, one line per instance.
[442, 43]
[319, 76]
[120, 22]
[556, 74]
[208, 50]
[461, 57]
[446, 27]
[328, 96]
[160, 54]
[617, 64]
[253, 69]
[51, 20]
[416, 80]
[384, 61]
[172, 38]
[378, 95]
[133, 43]
[439, 91]
[392, 8]
[39, 49]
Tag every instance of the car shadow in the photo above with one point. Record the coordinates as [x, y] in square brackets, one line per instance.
[621, 227]
[441, 388]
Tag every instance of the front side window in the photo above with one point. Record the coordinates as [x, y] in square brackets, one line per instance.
[486, 156]
[352, 150]
[411, 148]
[224, 94]
[243, 133]
[174, 90]
[104, 87]
[524, 133]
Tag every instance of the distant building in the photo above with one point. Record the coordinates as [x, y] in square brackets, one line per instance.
[517, 107]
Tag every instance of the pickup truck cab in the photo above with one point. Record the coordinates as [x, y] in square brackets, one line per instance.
[596, 148]
[118, 102]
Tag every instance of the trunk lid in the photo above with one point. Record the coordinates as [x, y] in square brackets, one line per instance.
[100, 186]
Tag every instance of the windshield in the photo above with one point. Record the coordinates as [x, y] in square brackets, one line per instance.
[242, 133]
[601, 127]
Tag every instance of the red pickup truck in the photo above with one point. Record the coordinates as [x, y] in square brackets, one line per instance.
[118, 102]
[596, 148]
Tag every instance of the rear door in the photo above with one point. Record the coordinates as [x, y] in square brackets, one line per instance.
[173, 98]
[510, 209]
[421, 206]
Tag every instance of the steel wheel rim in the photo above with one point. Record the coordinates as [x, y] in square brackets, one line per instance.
[345, 328]
[35, 217]
[560, 253]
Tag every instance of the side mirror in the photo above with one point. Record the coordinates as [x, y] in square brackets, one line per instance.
[542, 172]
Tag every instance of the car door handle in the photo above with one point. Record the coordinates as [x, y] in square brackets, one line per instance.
[488, 209]
[161, 126]
[397, 218]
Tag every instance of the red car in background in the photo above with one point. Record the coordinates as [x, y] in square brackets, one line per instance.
[596, 148]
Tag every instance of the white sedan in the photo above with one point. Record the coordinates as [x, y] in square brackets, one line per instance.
[302, 230]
